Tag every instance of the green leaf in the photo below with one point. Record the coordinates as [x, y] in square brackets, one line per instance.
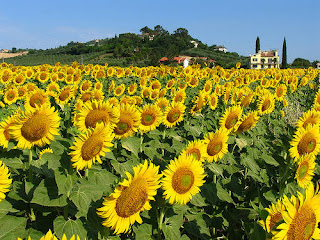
[215, 168]
[223, 194]
[241, 143]
[198, 200]
[194, 130]
[143, 232]
[171, 231]
[69, 228]
[132, 144]
[6, 207]
[197, 226]
[46, 194]
[250, 163]
[82, 196]
[57, 147]
[15, 163]
[102, 179]
[269, 160]
[64, 182]
[52, 159]
[11, 227]
[122, 167]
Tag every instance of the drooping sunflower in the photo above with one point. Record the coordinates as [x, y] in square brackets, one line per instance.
[216, 144]
[247, 122]
[173, 114]
[22, 91]
[36, 127]
[129, 121]
[301, 217]
[213, 101]
[274, 217]
[230, 118]
[122, 208]
[197, 149]
[93, 112]
[311, 117]
[306, 141]
[36, 98]
[163, 103]
[11, 96]
[4, 130]
[151, 117]
[180, 96]
[132, 88]
[5, 180]
[90, 146]
[52, 89]
[305, 170]
[182, 179]
[266, 103]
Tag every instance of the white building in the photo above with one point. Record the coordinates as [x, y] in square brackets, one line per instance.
[318, 65]
[221, 49]
[265, 59]
[194, 43]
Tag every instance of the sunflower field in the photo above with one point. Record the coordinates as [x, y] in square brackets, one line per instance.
[99, 152]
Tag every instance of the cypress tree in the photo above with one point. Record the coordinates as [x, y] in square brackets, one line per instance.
[257, 45]
[284, 54]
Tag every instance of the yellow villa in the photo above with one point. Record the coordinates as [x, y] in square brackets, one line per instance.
[265, 59]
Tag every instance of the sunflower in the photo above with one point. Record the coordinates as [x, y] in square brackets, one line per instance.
[151, 117]
[317, 98]
[216, 144]
[5, 181]
[90, 146]
[301, 217]
[119, 90]
[247, 122]
[231, 117]
[154, 94]
[52, 89]
[213, 101]
[4, 130]
[93, 112]
[197, 149]
[311, 117]
[132, 88]
[50, 236]
[280, 92]
[163, 103]
[173, 114]
[36, 127]
[198, 104]
[19, 79]
[274, 217]
[266, 103]
[145, 92]
[129, 121]
[64, 96]
[86, 96]
[46, 150]
[182, 179]
[246, 100]
[85, 86]
[305, 171]
[11, 96]
[43, 77]
[122, 208]
[306, 141]
[36, 98]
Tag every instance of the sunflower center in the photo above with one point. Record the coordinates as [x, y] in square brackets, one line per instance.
[91, 147]
[132, 198]
[311, 120]
[182, 180]
[231, 120]
[307, 144]
[10, 96]
[123, 126]
[173, 116]
[6, 132]
[85, 97]
[214, 148]
[302, 171]
[147, 119]
[35, 128]
[195, 153]
[303, 225]
[64, 95]
[96, 115]
[266, 104]
[36, 99]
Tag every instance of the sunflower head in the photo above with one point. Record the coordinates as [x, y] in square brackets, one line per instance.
[5, 180]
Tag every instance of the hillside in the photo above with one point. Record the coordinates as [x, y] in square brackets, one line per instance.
[143, 49]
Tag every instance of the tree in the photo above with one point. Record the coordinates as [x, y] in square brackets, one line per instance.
[284, 54]
[159, 30]
[14, 50]
[301, 63]
[145, 30]
[257, 45]
[181, 32]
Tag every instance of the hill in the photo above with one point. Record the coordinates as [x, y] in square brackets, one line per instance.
[127, 49]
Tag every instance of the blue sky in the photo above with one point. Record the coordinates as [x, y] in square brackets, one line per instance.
[234, 24]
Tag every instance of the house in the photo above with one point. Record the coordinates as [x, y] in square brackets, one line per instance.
[221, 49]
[265, 59]
[318, 65]
[149, 35]
[177, 59]
[4, 51]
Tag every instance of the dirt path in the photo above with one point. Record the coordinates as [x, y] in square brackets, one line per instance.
[9, 55]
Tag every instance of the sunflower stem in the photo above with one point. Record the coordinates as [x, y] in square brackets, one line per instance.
[86, 172]
[160, 220]
[29, 165]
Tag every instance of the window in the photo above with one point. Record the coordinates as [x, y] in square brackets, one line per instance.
[254, 66]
